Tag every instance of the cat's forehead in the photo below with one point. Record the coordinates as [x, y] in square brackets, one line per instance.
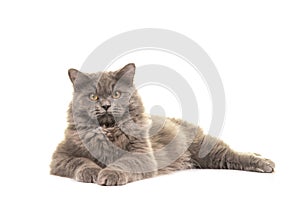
[104, 81]
[103, 77]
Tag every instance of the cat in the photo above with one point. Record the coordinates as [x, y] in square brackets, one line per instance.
[110, 140]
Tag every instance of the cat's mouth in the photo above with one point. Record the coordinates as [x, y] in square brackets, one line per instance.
[106, 120]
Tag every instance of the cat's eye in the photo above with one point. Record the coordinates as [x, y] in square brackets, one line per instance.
[116, 94]
[94, 97]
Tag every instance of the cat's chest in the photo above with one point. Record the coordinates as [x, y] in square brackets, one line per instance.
[107, 149]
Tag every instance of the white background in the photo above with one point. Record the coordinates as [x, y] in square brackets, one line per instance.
[255, 46]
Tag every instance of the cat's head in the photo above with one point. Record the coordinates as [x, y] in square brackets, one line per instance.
[105, 97]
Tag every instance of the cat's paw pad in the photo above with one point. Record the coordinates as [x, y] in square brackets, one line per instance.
[264, 165]
[112, 177]
[87, 175]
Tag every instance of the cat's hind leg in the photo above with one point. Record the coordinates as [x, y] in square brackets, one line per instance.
[212, 153]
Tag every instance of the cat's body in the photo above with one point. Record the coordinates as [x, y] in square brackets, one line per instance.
[111, 141]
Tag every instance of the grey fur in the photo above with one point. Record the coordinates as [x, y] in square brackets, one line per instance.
[124, 144]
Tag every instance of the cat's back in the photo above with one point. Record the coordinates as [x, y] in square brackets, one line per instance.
[165, 131]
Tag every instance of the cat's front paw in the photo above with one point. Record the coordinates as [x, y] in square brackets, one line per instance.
[87, 175]
[112, 133]
[112, 177]
[263, 165]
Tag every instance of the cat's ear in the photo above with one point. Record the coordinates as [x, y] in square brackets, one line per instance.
[77, 77]
[73, 73]
[126, 74]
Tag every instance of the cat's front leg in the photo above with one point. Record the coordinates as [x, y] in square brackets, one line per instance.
[79, 168]
[127, 169]
[112, 177]
[71, 158]
[87, 174]
[132, 166]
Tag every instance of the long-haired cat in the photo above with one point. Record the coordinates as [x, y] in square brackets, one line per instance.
[111, 141]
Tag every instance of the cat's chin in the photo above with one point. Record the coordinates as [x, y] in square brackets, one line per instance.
[106, 120]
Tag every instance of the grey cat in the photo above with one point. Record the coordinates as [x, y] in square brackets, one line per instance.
[110, 140]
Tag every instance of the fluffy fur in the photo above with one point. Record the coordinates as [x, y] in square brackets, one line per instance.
[111, 141]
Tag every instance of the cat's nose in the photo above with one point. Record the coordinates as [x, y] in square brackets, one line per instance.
[105, 107]
[105, 104]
